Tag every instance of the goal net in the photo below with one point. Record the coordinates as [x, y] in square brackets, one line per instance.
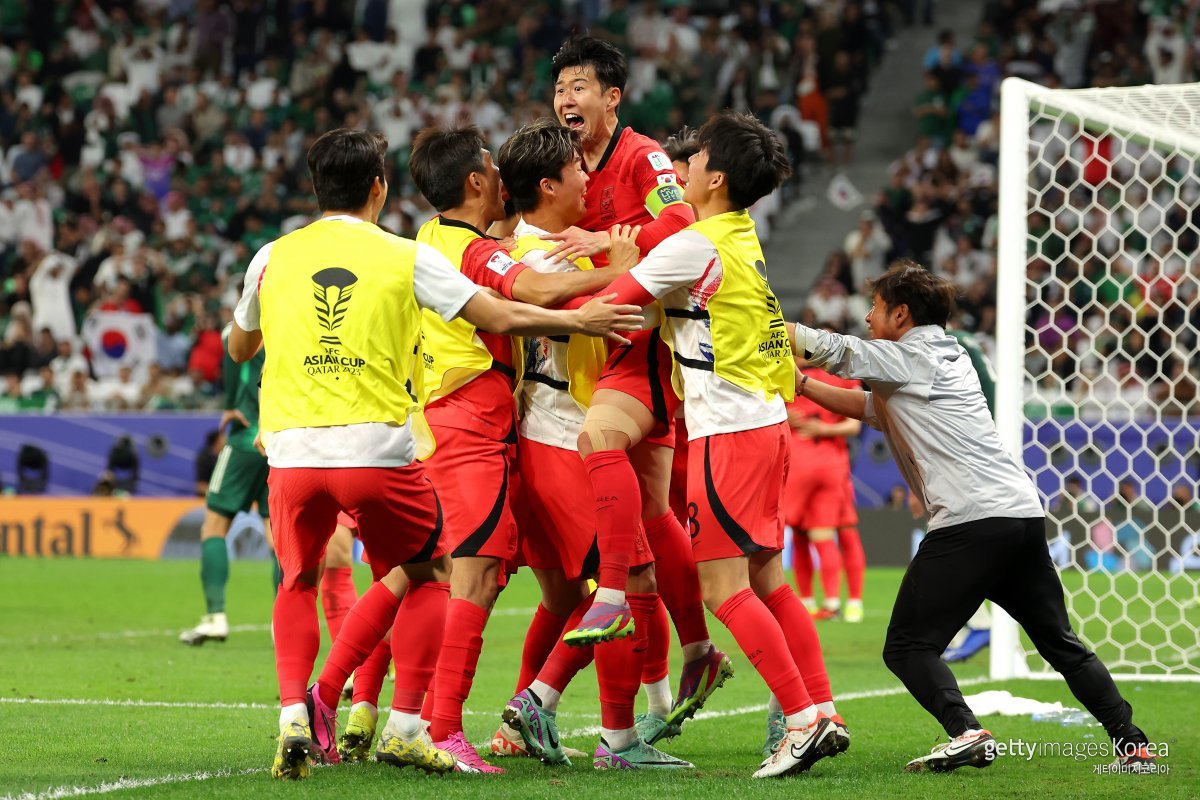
[1096, 356]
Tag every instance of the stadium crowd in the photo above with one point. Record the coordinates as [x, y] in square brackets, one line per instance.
[148, 149]
[1127, 322]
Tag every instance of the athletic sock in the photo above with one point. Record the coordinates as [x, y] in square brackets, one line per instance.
[760, 638]
[773, 706]
[546, 695]
[404, 724]
[831, 572]
[658, 646]
[619, 668]
[801, 635]
[678, 582]
[338, 595]
[369, 677]
[618, 513]
[802, 718]
[214, 573]
[422, 618]
[544, 632]
[854, 561]
[456, 666]
[827, 708]
[618, 740]
[297, 640]
[802, 566]
[606, 594]
[291, 713]
[564, 661]
[364, 626]
[658, 697]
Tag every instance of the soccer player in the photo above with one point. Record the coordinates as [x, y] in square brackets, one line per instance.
[337, 306]
[815, 495]
[542, 169]
[238, 483]
[467, 396]
[628, 440]
[734, 361]
[987, 535]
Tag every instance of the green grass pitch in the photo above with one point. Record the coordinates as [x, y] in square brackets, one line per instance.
[97, 696]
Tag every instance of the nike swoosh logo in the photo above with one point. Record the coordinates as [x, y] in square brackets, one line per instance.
[954, 750]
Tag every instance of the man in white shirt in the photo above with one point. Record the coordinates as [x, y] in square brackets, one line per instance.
[987, 532]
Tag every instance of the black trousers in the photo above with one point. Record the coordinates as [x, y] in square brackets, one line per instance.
[1006, 561]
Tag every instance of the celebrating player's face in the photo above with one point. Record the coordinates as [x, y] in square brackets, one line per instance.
[580, 102]
[493, 188]
[574, 188]
[696, 179]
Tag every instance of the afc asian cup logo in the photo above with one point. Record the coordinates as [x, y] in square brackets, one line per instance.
[332, 288]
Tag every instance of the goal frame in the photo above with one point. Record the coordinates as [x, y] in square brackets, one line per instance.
[1007, 658]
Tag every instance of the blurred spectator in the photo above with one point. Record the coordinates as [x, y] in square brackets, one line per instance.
[867, 247]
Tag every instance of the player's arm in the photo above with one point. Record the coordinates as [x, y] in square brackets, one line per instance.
[245, 337]
[231, 381]
[875, 362]
[679, 261]
[849, 403]
[446, 291]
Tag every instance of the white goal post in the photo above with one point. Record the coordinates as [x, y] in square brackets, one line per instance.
[1097, 315]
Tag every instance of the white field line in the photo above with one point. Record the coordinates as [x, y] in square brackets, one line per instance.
[119, 635]
[593, 730]
[122, 784]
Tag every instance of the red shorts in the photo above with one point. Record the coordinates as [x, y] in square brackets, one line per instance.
[470, 472]
[556, 513]
[815, 493]
[848, 518]
[642, 370]
[735, 492]
[397, 510]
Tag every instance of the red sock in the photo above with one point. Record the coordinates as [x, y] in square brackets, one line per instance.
[678, 583]
[802, 565]
[565, 662]
[368, 678]
[543, 633]
[619, 666]
[801, 634]
[363, 628]
[422, 623]
[297, 640]
[456, 666]
[658, 645]
[427, 703]
[618, 514]
[338, 595]
[831, 569]
[854, 560]
[760, 638]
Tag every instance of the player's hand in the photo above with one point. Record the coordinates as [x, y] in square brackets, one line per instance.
[258, 444]
[598, 317]
[577, 243]
[507, 243]
[623, 251]
[233, 415]
[809, 428]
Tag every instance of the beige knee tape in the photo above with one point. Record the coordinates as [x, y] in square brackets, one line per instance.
[607, 418]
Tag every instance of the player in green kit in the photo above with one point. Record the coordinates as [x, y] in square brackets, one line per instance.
[238, 482]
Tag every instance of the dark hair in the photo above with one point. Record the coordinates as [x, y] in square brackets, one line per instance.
[539, 150]
[749, 153]
[585, 50]
[930, 299]
[682, 145]
[344, 163]
[441, 160]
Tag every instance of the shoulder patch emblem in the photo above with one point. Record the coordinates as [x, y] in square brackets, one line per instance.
[659, 160]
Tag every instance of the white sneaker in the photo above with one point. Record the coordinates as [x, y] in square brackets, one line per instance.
[974, 748]
[800, 749]
[212, 627]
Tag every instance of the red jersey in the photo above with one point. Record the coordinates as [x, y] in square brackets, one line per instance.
[485, 404]
[825, 449]
[631, 185]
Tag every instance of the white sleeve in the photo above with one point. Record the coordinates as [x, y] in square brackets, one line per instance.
[247, 313]
[438, 285]
[679, 260]
[878, 363]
